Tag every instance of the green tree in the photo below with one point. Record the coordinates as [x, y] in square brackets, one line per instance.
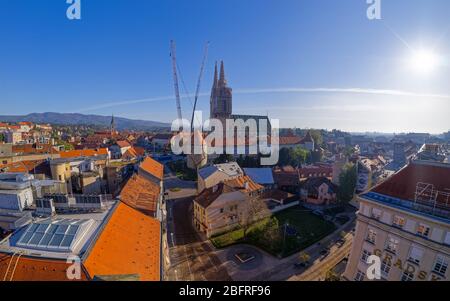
[347, 183]
[223, 158]
[332, 276]
[284, 157]
[316, 156]
[2, 137]
[317, 136]
[299, 156]
[304, 257]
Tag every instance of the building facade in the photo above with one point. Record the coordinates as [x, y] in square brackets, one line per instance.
[406, 222]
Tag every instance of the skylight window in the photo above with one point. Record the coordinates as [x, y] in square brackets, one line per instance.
[57, 235]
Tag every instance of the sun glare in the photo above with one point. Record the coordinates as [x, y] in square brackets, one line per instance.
[424, 61]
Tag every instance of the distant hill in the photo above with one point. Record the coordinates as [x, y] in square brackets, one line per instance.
[81, 119]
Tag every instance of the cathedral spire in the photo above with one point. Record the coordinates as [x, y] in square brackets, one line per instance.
[215, 76]
[222, 80]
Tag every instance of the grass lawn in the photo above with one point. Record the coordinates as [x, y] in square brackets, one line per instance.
[269, 235]
[182, 171]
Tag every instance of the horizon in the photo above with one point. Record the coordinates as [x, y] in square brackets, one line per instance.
[281, 128]
[301, 62]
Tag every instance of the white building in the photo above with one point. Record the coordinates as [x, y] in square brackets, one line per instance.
[406, 222]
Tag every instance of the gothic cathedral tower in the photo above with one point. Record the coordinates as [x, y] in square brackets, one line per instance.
[221, 102]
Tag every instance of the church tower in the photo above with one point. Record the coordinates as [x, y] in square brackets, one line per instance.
[113, 127]
[221, 102]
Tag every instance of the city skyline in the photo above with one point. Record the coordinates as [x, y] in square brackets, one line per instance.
[324, 71]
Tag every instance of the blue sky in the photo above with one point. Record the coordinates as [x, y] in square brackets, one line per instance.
[310, 63]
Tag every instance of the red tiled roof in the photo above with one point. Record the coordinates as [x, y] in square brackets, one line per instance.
[33, 148]
[141, 194]
[283, 178]
[289, 140]
[209, 195]
[240, 182]
[35, 166]
[134, 152]
[315, 171]
[123, 144]
[34, 269]
[129, 244]
[403, 184]
[152, 167]
[83, 153]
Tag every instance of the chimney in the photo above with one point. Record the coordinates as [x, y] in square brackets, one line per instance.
[246, 186]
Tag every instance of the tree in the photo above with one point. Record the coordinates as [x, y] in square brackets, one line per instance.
[253, 210]
[223, 158]
[298, 156]
[332, 276]
[304, 257]
[284, 157]
[316, 156]
[293, 156]
[2, 137]
[347, 183]
[317, 136]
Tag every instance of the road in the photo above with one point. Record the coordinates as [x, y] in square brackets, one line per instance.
[320, 267]
[285, 269]
[192, 259]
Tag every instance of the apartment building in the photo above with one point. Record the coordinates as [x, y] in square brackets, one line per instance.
[406, 222]
[227, 205]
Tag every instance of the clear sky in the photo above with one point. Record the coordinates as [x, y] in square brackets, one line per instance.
[310, 63]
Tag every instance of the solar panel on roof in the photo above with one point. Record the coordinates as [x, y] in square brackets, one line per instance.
[56, 240]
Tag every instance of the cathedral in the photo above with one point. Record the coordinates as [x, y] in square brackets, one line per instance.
[221, 102]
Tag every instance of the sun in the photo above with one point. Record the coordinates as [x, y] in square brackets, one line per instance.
[424, 61]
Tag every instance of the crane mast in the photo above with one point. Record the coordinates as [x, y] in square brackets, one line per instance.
[175, 79]
[197, 91]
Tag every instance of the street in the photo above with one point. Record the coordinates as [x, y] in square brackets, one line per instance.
[192, 258]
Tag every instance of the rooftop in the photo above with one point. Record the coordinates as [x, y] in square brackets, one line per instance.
[152, 167]
[83, 153]
[420, 186]
[141, 194]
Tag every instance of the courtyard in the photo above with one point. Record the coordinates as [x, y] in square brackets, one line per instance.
[284, 234]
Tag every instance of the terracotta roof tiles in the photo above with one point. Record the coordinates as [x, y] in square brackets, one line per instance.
[152, 167]
[129, 244]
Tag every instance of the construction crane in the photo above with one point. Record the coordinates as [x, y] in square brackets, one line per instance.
[175, 79]
[196, 160]
[197, 91]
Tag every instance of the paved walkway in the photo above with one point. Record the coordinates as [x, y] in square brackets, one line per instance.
[271, 268]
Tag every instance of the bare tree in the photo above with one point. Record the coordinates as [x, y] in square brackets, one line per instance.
[252, 211]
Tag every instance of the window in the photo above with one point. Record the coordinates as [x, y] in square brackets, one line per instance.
[371, 236]
[359, 276]
[376, 213]
[407, 276]
[365, 254]
[441, 265]
[392, 244]
[386, 265]
[447, 239]
[423, 230]
[399, 222]
[415, 255]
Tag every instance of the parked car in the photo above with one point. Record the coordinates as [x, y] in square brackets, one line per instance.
[300, 265]
[340, 243]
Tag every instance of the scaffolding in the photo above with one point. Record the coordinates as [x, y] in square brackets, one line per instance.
[431, 200]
